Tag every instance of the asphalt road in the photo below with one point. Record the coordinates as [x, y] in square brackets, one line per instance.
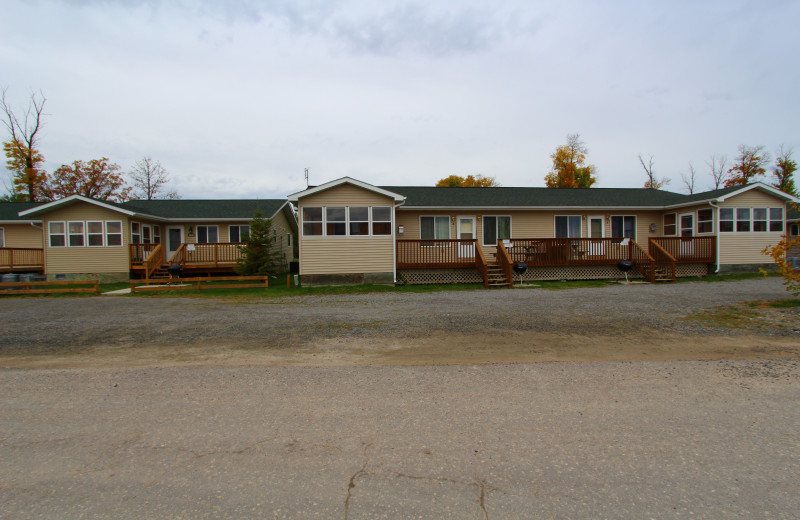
[660, 440]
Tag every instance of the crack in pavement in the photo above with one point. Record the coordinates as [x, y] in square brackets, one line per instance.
[351, 484]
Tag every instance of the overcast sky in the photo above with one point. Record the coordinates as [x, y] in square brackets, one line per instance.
[236, 98]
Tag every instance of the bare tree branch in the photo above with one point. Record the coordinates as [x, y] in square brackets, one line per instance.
[652, 182]
[717, 165]
[689, 179]
[149, 180]
[21, 149]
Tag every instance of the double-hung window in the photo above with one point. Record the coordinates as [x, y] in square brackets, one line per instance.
[335, 221]
[496, 228]
[136, 233]
[776, 219]
[76, 238]
[114, 233]
[238, 233]
[381, 220]
[207, 234]
[312, 221]
[568, 226]
[436, 227]
[742, 219]
[705, 221]
[94, 233]
[726, 220]
[359, 220]
[2, 237]
[670, 224]
[760, 219]
[156, 234]
[623, 226]
[58, 234]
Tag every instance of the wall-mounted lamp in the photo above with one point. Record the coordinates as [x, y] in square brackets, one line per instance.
[400, 230]
[191, 231]
[479, 218]
[653, 227]
[452, 220]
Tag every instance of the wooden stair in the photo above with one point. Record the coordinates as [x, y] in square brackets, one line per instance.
[160, 273]
[495, 276]
[661, 274]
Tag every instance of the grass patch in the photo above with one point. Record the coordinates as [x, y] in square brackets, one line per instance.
[784, 304]
[733, 316]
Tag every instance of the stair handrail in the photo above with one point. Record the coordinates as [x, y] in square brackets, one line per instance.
[662, 257]
[482, 265]
[153, 261]
[178, 257]
[504, 261]
[642, 260]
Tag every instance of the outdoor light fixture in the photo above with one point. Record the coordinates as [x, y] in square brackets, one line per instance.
[400, 230]
[191, 231]
[653, 227]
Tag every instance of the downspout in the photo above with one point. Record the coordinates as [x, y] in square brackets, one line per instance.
[37, 227]
[394, 240]
[711, 203]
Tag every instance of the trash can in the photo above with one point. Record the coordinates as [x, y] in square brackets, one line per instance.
[10, 278]
[294, 267]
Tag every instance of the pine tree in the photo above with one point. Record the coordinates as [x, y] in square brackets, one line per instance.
[259, 254]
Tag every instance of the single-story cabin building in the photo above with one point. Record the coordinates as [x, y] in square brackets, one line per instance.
[78, 238]
[354, 232]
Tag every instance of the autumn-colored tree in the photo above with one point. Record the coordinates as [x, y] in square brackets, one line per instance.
[569, 170]
[783, 171]
[750, 164]
[470, 181]
[780, 254]
[652, 182]
[97, 179]
[23, 157]
[27, 175]
[149, 180]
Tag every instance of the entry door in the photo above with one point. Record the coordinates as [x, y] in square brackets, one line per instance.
[597, 229]
[466, 230]
[174, 241]
[687, 232]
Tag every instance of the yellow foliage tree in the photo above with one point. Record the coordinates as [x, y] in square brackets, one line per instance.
[470, 181]
[24, 163]
[780, 254]
[569, 169]
[97, 179]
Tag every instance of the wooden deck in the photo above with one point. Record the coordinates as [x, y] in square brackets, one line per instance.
[148, 259]
[19, 259]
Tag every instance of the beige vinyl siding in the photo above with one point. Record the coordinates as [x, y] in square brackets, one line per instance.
[86, 259]
[745, 247]
[754, 198]
[345, 254]
[281, 225]
[22, 235]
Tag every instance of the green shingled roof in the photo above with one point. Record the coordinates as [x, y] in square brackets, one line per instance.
[426, 196]
[10, 210]
[204, 209]
[793, 214]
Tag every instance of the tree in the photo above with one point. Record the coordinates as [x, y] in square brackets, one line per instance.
[149, 180]
[568, 166]
[652, 182]
[717, 165]
[780, 254]
[689, 179]
[470, 181]
[259, 254]
[97, 179]
[783, 171]
[23, 157]
[750, 164]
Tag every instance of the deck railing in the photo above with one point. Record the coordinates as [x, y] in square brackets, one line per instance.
[663, 258]
[505, 262]
[701, 250]
[642, 261]
[418, 254]
[154, 259]
[14, 258]
[139, 252]
[482, 265]
[216, 255]
[178, 257]
[546, 252]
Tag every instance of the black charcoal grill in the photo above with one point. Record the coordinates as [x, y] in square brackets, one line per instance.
[625, 266]
[520, 268]
[174, 271]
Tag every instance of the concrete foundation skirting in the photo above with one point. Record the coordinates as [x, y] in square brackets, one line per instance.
[310, 280]
[745, 268]
[101, 277]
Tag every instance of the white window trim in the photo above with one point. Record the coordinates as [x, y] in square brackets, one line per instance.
[2, 237]
[303, 221]
[497, 229]
[239, 226]
[346, 222]
[373, 221]
[102, 232]
[349, 220]
[752, 220]
[580, 227]
[207, 226]
[698, 221]
[150, 233]
[691, 228]
[83, 233]
[139, 234]
[106, 233]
